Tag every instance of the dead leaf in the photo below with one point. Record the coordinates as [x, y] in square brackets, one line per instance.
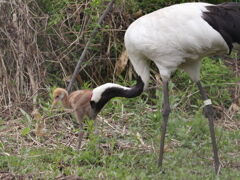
[121, 63]
[235, 107]
[139, 137]
[138, 14]
[40, 128]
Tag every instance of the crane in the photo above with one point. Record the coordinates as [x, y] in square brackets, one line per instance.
[178, 36]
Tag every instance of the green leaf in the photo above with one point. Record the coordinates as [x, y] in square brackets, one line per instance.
[26, 115]
[1, 121]
[25, 131]
[1, 145]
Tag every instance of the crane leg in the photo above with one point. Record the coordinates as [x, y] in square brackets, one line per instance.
[208, 111]
[165, 113]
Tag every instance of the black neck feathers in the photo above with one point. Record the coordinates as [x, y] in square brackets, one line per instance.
[118, 91]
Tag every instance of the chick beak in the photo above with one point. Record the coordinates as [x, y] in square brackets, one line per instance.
[54, 103]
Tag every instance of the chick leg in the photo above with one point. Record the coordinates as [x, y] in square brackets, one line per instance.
[79, 116]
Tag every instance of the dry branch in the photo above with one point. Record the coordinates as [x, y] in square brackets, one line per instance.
[20, 57]
[93, 34]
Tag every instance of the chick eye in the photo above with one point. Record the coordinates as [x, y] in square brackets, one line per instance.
[56, 97]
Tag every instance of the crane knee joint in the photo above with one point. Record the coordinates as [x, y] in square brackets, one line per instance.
[207, 102]
[166, 111]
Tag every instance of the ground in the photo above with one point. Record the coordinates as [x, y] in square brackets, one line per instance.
[125, 142]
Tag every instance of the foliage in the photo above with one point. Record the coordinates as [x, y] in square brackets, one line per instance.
[217, 79]
[127, 139]
[71, 23]
[126, 146]
[151, 5]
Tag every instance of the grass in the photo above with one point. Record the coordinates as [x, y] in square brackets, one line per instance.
[127, 141]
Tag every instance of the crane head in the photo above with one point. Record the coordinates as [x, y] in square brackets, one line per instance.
[102, 94]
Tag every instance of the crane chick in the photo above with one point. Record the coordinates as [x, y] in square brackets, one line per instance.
[79, 102]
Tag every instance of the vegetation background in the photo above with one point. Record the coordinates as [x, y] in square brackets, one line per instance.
[40, 44]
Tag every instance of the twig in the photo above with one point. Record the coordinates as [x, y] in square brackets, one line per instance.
[2, 1]
[93, 34]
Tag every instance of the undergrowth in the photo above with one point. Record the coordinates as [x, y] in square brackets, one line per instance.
[125, 142]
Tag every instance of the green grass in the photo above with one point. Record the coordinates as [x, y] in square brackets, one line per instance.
[127, 143]
[122, 156]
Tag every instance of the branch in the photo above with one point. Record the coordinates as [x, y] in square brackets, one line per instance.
[93, 34]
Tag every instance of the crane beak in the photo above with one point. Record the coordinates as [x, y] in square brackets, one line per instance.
[94, 111]
[93, 114]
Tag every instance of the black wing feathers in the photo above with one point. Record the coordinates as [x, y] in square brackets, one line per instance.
[225, 18]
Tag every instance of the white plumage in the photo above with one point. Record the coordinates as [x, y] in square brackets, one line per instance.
[170, 37]
[98, 91]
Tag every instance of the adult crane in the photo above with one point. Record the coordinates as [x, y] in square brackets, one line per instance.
[178, 36]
